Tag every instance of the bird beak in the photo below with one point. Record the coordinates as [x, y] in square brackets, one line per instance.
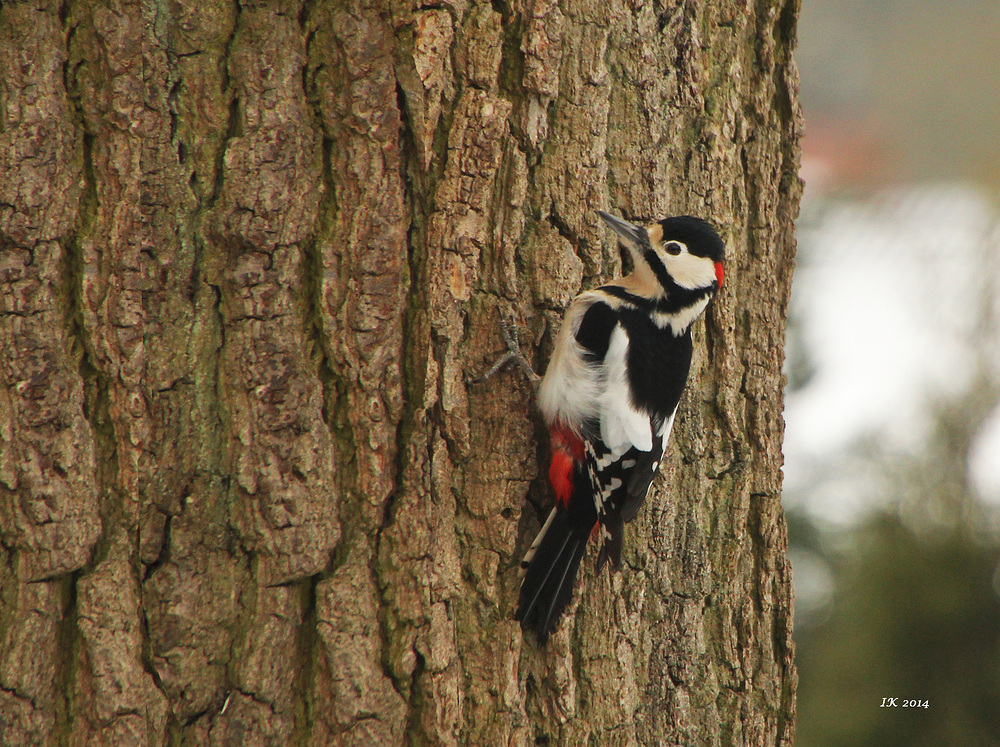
[634, 235]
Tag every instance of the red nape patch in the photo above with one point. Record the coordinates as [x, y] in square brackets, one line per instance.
[719, 273]
[567, 449]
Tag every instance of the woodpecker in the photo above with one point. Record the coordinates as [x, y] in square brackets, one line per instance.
[609, 397]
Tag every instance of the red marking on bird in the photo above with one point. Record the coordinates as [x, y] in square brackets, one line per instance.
[719, 273]
[567, 450]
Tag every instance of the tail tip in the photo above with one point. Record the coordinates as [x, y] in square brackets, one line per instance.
[531, 623]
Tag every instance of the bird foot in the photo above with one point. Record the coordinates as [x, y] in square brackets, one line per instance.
[509, 332]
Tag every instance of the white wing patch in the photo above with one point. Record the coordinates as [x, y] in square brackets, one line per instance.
[622, 425]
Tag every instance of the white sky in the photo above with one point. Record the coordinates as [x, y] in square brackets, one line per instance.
[889, 293]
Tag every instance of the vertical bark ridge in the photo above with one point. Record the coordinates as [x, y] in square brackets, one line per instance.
[49, 511]
[363, 274]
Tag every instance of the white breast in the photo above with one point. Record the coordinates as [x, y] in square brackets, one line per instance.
[571, 388]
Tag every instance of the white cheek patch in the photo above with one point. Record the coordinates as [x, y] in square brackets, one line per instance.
[689, 270]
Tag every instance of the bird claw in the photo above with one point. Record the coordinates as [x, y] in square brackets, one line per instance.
[509, 332]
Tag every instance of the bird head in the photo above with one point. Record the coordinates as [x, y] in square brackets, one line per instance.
[685, 248]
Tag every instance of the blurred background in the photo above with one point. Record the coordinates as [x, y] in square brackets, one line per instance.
[892, 450]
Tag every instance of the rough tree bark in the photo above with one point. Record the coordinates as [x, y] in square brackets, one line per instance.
[252, 254]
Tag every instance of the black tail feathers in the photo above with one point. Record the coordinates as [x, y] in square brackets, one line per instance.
[553, 561]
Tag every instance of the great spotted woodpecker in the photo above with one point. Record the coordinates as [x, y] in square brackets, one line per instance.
[609, 397]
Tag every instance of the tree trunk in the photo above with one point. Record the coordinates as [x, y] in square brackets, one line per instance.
[253, 255]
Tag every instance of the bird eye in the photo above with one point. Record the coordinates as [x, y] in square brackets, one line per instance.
[673, 248]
